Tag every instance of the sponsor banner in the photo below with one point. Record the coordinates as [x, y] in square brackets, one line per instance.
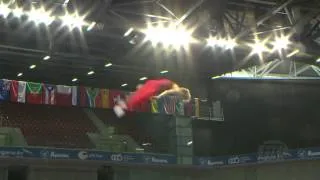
[83, 155]
[217, 161]
[157, 159]
[298, 154]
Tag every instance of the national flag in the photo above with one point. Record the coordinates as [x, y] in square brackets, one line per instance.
[115, 96]
[188, 109]
[169, 103]
[49, 94]
[18, 91]
[83, 97]
[104, 93]
[64, 95]
[196, 107]
[34, 93]
[154, 106]
[75, 95]
[94, 98]
[179, 107]
[5, 89]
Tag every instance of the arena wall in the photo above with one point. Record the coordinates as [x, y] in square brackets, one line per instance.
[61, 173]
[308, 170]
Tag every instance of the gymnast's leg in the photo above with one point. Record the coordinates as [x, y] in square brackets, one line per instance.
[142, 95]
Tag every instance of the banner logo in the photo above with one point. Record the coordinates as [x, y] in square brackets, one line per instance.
[116, 157]
[83, 155]
[53, 155]
[152, 159]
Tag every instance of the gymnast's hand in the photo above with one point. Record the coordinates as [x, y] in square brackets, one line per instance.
[154, 98]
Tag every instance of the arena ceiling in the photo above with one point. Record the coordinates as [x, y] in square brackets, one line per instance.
[113, 36]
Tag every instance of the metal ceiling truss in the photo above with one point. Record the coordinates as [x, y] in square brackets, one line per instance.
[277, 69]
[261, 20]
[120, 9]
[235, 21]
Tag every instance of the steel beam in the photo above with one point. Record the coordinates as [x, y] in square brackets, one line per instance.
[265, 18]
[134, 3]
[187, 14]
[266, 71]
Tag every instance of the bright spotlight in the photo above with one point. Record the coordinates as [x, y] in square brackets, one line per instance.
[90, 72]
[74, 79]
[281, 43]
[220, 42]
[32, 66]
[164, 72]
[73, 21]
[258, 47]
[124, 85]
[40, 15]
[66, 2]
[108, 65]
[168, 36]
[46, 58]
[19, 74]
[143, 78]
[4, 10]
[17, 12]
[318, 60]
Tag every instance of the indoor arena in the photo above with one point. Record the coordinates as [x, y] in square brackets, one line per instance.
[159, 89]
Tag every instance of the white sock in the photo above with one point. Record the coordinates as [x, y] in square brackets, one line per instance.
[119, 111]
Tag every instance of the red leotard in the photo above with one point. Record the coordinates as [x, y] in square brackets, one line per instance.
[149, 89]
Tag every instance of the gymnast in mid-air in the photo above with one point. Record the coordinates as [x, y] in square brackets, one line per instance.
[152, 89]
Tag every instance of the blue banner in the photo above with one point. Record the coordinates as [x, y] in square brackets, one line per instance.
[82, 155]
[256, 158]
[156, 159]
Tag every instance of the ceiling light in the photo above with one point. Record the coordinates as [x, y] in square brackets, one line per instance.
[221, 42]
[74, 79]
[19, 74]
[91, 26]
[32, 66]
[4, 10]
[124, 85]
[171, 35]
[127, 33]
[143, 78]
[189, 143]
[90, 72]
[73, 21]
[258, 47]
[40, 15]
[46, 58]
[66, 2]
[108, 65]
[146, 144]
[281, 43]
[318, 60]
[164, 72]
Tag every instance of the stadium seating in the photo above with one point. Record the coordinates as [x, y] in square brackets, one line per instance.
[126, 126]
[146, 129]
[51, 126]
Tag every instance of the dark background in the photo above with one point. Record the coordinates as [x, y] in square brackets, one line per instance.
[257, 111]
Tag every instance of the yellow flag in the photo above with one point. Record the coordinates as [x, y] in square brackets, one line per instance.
[154, 106]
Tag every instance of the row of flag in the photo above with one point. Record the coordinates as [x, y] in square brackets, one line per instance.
[62, 95]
